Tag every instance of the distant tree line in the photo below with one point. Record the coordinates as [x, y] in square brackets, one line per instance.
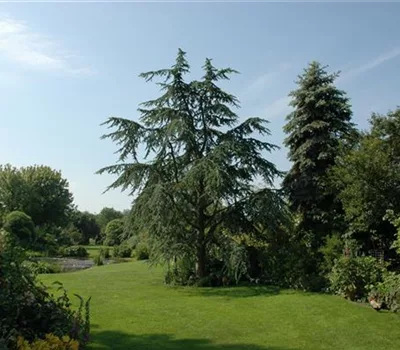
[36, 205]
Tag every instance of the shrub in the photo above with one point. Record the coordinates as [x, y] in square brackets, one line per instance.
[50, 342]
[122, 251]
[38, 267]
[34, 254]
[105, 253]
[387, 292]
[27, 309]
[354, 277]
[331, 251]
[20, 226]
[98, 260]
[74, 251]
[395, 221]
[47, 242]
[142, 251]
[114, 230]
[181, 272]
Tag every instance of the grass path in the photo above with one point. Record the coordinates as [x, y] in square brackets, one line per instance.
[132, 309]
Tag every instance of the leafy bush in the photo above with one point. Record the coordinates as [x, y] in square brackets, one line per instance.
[142, 251]
[181, 272]
[74, 251]
[331, 251]
[122, 251]
[27, 309]
[114, 230]
[34, 254]
[46, 241]
[388, 291]
[98, 260]
[354, 277]
[395, 221]
[38, 267]
[50, 342]
[20, 226]
[105, 253]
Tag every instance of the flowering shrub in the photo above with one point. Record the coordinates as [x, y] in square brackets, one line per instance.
[50, 342]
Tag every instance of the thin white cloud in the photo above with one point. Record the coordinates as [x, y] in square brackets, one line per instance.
[278, 108]
[258, 85]
[387, 56]
[21, 45]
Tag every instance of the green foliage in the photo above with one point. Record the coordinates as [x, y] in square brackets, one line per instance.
[355, 277]
[105, 252]
[395, 221]
[114, 231]
[27, 309]
[86, 224]
[39, 191]
[48, 241]
[122, 251]
[41, 267]
[331, 251]
[74, 251]
[388, 291]
[142, 251]
[71, 236]
[21, 227]
[106, 215]
[200, 163]
[368, 182]
[319, 121]
[99, 260]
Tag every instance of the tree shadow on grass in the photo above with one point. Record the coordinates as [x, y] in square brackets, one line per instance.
[115, 340]
[235, 292]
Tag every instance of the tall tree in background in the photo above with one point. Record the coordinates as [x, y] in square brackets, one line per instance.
[319, 121]
[39, 191]
[106, 215]
[86, 224]
[367, 180]
[198, 163]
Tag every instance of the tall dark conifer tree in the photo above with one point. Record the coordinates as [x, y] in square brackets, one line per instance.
[320, 120]
[198, 166]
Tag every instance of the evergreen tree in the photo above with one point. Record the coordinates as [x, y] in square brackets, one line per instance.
[198, 165]
[319, 122]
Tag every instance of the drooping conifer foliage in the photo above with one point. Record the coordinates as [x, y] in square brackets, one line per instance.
[191, 164]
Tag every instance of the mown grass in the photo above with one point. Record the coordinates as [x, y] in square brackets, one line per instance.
[131, 308]
[94, 250]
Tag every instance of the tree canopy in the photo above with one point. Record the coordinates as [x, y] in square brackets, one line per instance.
[20, 226]
[87, 225]
[320, 120]
[113, 232]
[106, 215]
[39, 191]
[198, 163]
[367, 179]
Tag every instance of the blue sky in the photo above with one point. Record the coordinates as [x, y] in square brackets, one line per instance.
[66, 67]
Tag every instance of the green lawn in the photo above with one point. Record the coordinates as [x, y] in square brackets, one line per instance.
[133, 309]
[94, 250]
